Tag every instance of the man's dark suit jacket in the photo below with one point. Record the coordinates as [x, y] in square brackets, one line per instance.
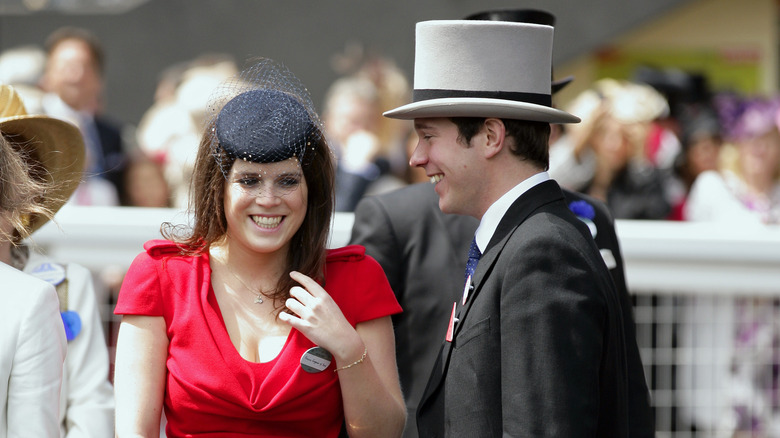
[423, 252]
[114, 156]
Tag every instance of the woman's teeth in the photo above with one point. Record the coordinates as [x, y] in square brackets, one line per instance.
[267, 222]
[435, 179]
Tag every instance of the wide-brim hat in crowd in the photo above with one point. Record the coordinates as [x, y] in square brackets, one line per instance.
[57, 145]
[476, 68]
[751, 117]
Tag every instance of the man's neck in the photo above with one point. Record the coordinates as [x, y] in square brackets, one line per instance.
[504, 179]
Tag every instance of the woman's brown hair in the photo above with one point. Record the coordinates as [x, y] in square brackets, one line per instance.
[21, 191]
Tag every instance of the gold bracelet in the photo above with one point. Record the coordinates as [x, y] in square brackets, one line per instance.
[362, 358]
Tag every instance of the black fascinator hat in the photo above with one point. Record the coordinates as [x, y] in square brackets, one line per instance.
[263, 115]
[264, 126]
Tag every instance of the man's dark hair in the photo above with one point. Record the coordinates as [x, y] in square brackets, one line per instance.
[75, 33]
[531, 139]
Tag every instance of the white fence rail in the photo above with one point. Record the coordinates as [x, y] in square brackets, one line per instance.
[660, 257]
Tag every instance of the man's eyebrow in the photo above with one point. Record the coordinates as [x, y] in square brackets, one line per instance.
[422, 125]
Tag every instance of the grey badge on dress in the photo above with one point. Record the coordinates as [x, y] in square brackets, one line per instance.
[315, 359]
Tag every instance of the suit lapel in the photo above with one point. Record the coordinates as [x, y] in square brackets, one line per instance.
[521, 209]
[518, 212]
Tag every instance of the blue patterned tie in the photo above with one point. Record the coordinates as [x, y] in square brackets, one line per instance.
[474, 256]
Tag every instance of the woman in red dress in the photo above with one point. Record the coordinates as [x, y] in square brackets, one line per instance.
[245, 324]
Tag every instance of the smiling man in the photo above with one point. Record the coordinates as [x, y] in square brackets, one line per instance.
[535, 345]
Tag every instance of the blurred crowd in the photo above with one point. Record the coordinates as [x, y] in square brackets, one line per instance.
[660, 145]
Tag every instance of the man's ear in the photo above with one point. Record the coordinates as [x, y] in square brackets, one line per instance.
[495, 136]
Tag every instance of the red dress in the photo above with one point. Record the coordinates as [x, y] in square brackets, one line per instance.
[210, 389]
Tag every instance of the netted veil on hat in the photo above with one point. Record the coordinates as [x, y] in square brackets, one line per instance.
[263, 115]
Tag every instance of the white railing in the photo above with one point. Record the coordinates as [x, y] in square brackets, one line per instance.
[659, 256]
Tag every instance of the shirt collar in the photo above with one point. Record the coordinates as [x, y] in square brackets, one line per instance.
[497, 210]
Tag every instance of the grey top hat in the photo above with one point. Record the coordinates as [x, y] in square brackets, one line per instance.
[472, 68]
[535, 16]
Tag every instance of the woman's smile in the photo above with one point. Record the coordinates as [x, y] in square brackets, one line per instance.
[267, 222]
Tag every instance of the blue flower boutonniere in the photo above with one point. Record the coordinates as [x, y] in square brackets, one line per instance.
[72, 323]
[586, 213]
[55, 274]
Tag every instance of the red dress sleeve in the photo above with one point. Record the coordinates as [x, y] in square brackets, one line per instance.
[141, 292]
[358, 285]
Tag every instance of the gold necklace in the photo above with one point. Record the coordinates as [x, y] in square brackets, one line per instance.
[258, 298]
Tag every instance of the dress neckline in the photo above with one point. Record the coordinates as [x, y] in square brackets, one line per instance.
[225, 342]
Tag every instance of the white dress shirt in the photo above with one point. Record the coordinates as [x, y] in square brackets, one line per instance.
[497, 210]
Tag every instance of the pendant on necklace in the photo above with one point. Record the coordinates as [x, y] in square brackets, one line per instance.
[258, 299]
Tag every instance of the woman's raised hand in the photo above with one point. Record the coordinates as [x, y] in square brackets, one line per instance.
[319, 318]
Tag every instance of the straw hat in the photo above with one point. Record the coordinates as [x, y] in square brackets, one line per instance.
[476, 68]
[56, 144]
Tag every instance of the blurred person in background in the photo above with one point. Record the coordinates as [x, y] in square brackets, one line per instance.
[351, 119]
[169, 130]
[145, 184]
[746, 189]
[393, 90]
[22, 67]
[369, 148]
[605, 156]
[32, 336]
[686, 140]
[701, 143]
[54, 152]
[73, 82]
[279, 318]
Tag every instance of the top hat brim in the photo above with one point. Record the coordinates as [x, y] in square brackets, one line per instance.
[481, 107]
[58, 146]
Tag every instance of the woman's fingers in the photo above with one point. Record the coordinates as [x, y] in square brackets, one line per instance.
[296, 307]
[308, 283]
[301, 295]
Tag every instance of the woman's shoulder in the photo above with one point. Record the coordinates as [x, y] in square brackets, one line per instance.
[22, 291]
[358, 284]
[161, 252]
[712, 177]
[13, 280]
[352, 259]
[349, 253]
[709, 182]
[164, 255]
[158, 248]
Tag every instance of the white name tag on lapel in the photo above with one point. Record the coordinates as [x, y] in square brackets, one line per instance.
[466, 291]
[609, 258]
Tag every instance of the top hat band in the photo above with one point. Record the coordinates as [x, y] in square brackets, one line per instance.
[535, 98]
